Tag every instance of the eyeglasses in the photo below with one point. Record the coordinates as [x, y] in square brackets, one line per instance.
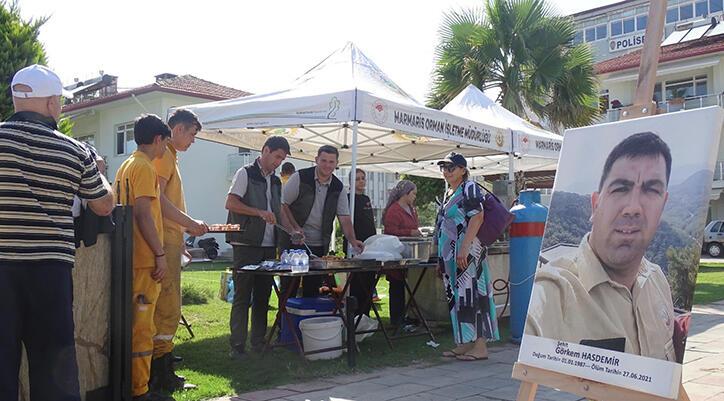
[448, 167]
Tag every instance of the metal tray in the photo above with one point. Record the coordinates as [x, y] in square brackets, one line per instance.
[325, 264]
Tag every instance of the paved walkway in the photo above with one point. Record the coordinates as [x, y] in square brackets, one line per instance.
[490, 380]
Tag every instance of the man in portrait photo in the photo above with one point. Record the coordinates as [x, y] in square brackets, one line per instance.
[606, 294]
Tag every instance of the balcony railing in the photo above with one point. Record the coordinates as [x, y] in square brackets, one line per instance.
[669, 106]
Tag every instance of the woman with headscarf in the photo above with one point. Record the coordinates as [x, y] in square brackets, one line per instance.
[462, 263]
[400, 219]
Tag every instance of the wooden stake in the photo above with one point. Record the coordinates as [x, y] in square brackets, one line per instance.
[642, 103]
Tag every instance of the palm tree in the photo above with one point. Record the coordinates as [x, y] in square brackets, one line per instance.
[523, 48]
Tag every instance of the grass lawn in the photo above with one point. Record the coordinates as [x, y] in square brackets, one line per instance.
[208, 365]
[709, 283]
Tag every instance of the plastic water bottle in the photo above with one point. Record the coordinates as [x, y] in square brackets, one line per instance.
[305, 261]
[230, 290]
[296, 261]
[284, 257]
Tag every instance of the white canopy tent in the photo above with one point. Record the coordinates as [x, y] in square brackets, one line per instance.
[344, 93]
[528, 139]
[533, 149]
[348, 102]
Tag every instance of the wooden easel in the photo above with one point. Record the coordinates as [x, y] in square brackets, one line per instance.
[530, 376]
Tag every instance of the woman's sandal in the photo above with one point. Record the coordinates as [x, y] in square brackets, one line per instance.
[453, 354]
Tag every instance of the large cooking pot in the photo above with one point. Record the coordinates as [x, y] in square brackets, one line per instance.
[416, 248]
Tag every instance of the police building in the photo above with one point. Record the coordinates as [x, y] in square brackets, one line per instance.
[691, 65]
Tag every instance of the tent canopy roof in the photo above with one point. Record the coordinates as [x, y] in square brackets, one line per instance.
[320, 107]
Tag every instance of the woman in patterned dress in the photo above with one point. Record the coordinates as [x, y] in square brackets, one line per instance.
[462, 263]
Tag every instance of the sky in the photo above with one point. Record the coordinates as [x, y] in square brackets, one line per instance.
[254, 45]
[579, 171]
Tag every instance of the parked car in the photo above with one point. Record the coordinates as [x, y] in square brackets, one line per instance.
[714, 238]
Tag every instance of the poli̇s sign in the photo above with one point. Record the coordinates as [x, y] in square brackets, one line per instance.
[626, 42]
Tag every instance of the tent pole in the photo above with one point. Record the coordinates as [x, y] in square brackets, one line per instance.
[352, 180]
[511, 168]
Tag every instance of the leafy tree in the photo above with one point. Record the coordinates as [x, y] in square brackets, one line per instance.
[65, 125]
[19, 48]
[427, 213]
[427, 188]
[522, 48]
[683, 268]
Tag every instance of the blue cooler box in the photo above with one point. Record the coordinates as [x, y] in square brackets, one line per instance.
[300, 309]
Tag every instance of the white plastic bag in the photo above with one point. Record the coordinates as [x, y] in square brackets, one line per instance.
[366, 323]
[380, 256]
[385, 243]
[383, 248]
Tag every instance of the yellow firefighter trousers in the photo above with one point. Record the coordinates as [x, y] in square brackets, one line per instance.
[168, 307]
[145, 294]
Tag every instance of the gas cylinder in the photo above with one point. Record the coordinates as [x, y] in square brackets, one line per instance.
[526, 236]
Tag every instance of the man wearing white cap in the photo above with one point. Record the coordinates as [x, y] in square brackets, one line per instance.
[41, 170]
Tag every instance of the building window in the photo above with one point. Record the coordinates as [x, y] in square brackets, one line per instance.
[578, 38]
[596, 33]
[601, 32]
[702, 8]
[616, 28]
[700, 87]
[685, 88]
[686, 11]
[603, 103]
[124, 139]
[672, 15]
[628, 25]
[715, 6]
[690, 9]
[641, 21]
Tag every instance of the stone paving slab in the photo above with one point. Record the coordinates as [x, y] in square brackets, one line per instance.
[391, 393]
[265, 395]
[714, 379]
[490, 380]
[346, 379]
[308, 386]
[394, 379]
[440, 381]
[458, 391]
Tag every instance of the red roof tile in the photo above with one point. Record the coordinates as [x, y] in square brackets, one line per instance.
[673, 52]
[187, 85]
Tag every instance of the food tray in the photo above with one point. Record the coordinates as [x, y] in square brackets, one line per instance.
[267, 265]
[224, 228]
[325, 264]
[403, 262]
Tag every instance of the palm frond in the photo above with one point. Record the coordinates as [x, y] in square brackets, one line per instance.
[524, 48]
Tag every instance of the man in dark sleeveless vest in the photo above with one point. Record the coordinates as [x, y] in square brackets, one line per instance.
[254, 202]
[311, 200]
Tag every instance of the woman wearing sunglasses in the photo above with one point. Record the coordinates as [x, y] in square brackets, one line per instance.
[462, 263]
